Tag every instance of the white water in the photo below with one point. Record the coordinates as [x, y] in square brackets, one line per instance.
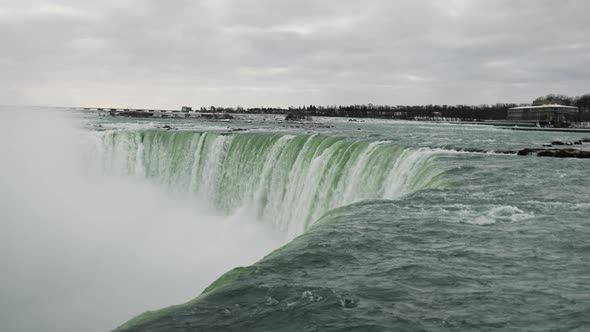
[84, 252]
[286, 181]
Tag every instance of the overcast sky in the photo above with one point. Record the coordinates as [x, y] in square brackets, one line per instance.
[152, 53]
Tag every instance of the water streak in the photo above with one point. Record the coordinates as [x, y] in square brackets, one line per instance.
[289, 181]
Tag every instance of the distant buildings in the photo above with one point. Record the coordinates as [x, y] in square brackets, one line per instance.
[552, 113]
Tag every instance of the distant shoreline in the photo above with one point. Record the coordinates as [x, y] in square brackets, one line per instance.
[305, 114]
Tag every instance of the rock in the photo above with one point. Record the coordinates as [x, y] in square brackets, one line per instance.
[557, 143]
[547, 145]
[216, 116]
[135, 114]
[577, 143]
[556, 153]
[505, 151]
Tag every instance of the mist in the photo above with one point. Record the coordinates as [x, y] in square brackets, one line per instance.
[81, 250]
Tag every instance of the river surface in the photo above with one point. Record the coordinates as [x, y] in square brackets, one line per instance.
[367, 225]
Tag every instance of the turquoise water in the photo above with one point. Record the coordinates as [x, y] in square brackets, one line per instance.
[387, 225]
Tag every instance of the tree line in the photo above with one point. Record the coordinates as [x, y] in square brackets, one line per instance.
[459, 112]
[404, 112]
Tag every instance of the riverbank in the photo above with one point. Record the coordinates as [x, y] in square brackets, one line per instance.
[184, 114]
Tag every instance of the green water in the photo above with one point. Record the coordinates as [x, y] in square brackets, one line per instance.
[289, 180]
[388, 225]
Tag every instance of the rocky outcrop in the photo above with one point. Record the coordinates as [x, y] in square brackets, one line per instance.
[215, 116]
[556, 153]
[132, 114]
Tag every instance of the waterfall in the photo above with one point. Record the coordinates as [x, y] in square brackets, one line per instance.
[287, 180]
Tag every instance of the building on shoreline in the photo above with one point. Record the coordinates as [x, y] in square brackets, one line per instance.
[544, 114]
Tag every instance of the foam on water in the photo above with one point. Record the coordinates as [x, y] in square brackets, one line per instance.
[481, 215]
[289, 180]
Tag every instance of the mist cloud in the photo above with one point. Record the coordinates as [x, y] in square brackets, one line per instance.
[81, 250]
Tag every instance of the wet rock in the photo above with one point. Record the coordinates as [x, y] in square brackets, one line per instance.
[557, 143]
[216, 116]
[556, 153]
[504, 151]
[132, 114]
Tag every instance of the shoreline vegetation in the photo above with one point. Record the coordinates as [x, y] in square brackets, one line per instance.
[481, 112]
[452, 113]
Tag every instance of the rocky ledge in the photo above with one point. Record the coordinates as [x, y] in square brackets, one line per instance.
[557, 153]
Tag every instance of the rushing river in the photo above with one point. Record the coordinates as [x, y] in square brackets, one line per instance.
[324, 226]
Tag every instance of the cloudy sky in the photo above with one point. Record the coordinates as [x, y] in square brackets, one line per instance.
[151, 53]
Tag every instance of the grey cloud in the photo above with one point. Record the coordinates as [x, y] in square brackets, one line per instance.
[287, 52]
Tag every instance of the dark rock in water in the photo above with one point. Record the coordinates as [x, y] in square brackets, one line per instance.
[505, 151]
[168, 127]
[585, 140]
[556, 153]
[138, 114]
[547, 145]
[132, 114]
[557, 143]
[577, 143]
[215, 116]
